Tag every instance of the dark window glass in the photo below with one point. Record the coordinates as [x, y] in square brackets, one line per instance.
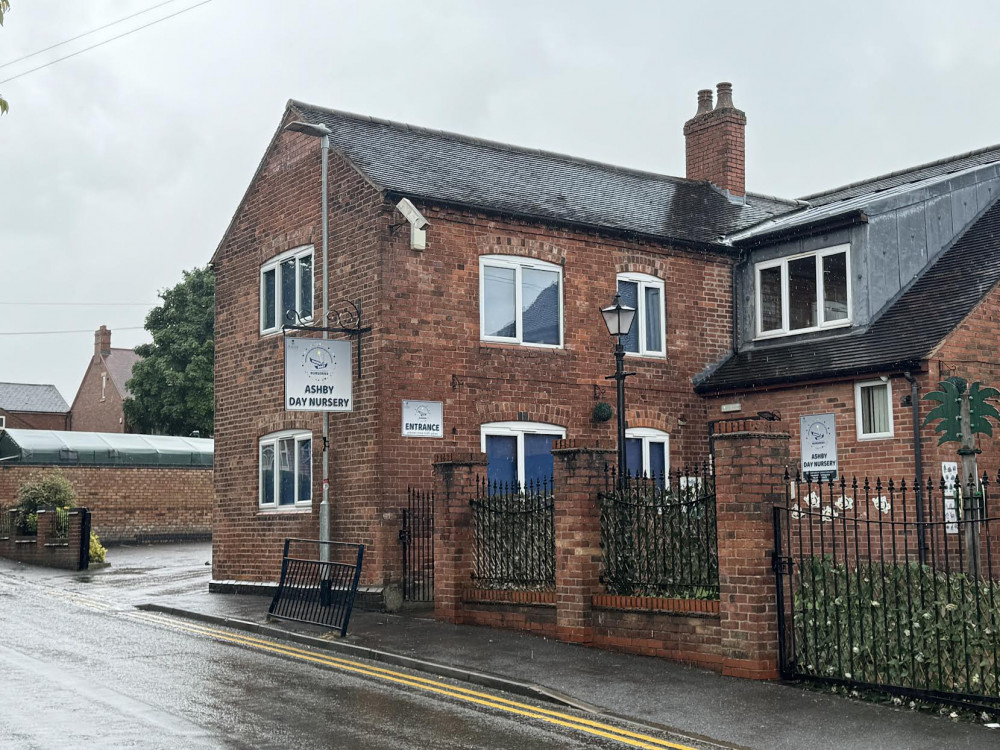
[499, 317]
[269, 302]
[654, 322]
[538, 457]
[629, 291]
[540, 306]
[802, 293]
[835, 287]
[286, 471]
[287, 291]
[306, 286]
[267, 474]
[657, 460]
[305, 470]
[770, 299]
[501, 458]
[633, 456]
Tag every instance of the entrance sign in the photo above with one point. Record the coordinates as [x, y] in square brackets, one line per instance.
[818, 436]
[423, 419]
[949, 473]
[318, 375]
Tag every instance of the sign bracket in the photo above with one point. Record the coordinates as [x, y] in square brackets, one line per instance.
[346, 314]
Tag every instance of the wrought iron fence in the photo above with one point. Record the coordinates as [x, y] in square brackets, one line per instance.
[319, 581]
[514, 528]
[416, 538]
[871, 594]
[6, 518]
[659, 535]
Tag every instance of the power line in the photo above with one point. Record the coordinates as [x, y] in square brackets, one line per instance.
[86, 33]
[106, 41]
[59, 333]
[81, 304]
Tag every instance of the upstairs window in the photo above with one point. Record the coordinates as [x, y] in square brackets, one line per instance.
[873, 409]
[645, 294]
[647, 452]
[520, 301]
[285, 470]
[286, 287]
[804, 293]
[519, 451]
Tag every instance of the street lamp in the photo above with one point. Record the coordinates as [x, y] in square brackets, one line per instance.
[618, 318]
[322, 132]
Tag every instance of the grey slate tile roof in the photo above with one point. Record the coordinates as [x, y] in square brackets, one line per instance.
[120, 363]
[909, 330]
[454, 169]
[32, 398]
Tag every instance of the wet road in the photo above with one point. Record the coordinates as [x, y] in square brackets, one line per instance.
[88, 668]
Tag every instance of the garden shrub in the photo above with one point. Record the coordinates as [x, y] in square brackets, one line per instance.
[97, 550]
[44, 490]
[898, 624]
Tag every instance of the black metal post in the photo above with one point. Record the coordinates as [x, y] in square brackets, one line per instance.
[620, 380]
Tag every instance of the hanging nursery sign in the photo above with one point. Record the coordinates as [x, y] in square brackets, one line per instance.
[318, 375]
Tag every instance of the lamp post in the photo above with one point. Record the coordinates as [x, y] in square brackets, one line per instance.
[618, 318]
[322, 132]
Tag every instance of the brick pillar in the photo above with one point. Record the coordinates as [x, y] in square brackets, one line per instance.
[454, 485]
[749, 476]
[578, 476]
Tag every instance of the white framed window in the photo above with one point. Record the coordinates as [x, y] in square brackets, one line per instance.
[520, 301]
[645, 293]
[285, 470]
[286, 286]
[803, 293]
[873, 409]
[647, 452]
[519, 452]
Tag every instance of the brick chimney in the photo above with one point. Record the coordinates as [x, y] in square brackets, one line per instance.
[715, 142]
[102, 341]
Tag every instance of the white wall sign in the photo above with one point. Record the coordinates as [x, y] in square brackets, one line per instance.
[949, 473]
[818, 441]
[318, 375]
[423, 419]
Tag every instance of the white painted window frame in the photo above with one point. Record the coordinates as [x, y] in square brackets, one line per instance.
[782, 263]
[644, 280]
[274, 264]
[300, 436]
[519, 430]
[649, 435]
[859, 422]
[517, 263]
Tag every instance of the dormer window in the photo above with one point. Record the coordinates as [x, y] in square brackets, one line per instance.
[803, 293]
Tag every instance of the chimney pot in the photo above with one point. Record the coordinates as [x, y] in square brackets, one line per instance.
[725, 100]
[102, 341]
[704, 102]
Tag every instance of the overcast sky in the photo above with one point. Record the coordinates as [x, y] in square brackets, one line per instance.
[122, 166]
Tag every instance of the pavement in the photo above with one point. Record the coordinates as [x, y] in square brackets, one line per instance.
[657, 693]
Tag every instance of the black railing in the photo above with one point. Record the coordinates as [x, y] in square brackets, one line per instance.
[6, 522]
[659, 535]
[870, 596]
[515, 538]
[318, 584]
[416, 537]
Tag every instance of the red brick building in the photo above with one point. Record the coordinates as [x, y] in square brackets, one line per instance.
[30, 406]
[98, 403]
[481, 268]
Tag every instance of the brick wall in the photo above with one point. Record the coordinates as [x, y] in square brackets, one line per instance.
[98, 405]
[29, 420]
[132, 503]
[45, 548]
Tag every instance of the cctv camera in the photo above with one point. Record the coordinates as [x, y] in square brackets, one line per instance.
[412, 214]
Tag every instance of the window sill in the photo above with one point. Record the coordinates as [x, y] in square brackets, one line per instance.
[800, 331]
[289, 511]
[514, 346]
[879, 436]
[654, 357]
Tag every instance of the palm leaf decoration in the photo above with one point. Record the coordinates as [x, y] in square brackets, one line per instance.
[948, 412]
[981, 409]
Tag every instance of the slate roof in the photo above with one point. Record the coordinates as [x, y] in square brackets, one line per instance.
[907, 332]
[468, 172]
[120, 363]
[29, 397]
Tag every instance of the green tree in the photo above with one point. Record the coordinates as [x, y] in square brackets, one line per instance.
[172, 389]
[4, 8]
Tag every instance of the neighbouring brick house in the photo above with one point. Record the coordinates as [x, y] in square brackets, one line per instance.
[98, 403]
[746, 304]
[30, 406]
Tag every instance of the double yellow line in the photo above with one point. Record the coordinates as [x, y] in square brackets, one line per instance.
[568, 721]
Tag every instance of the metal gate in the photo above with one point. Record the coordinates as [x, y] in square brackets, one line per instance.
[319, 581]
[416, 537]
